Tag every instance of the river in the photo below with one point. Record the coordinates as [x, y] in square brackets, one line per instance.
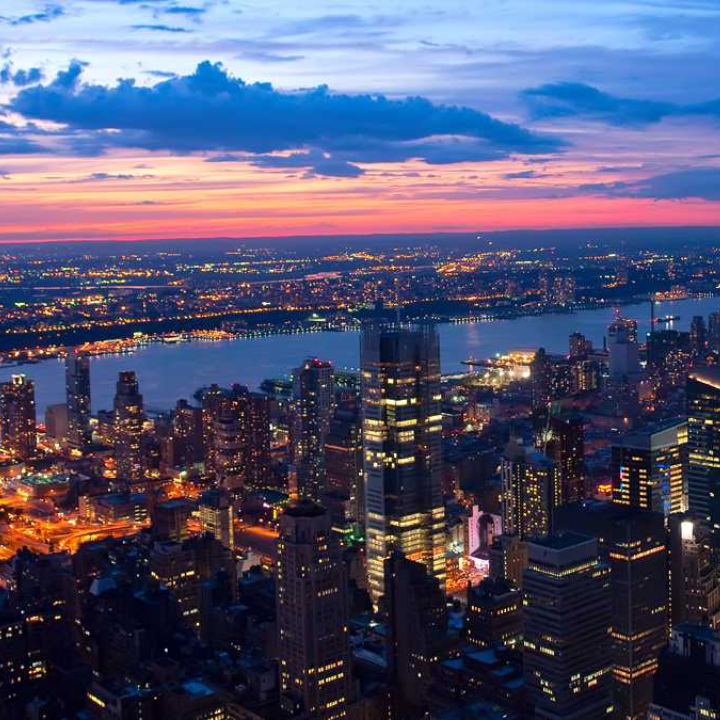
[170, 371]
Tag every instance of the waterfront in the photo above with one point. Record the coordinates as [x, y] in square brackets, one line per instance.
[170, 371]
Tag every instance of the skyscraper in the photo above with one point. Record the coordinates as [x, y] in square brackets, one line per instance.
[695, 573]
[128, 427]
[237, 427]
[344, 460]
[216, 516]
[402, 428]
[713, 333]
[623, 351]
[313, 401]
[17, 417]
[649, 466]
[633, 544]
[417, 629]
[77, 391]
[312, 607]
[531, 490]
[698, 336]
[562, 439]
[703, 408]
[567, 613]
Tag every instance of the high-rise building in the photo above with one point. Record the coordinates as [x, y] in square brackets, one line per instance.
[552, 377]
[402, 429]
[567, 651]
[579, 345]
[624, 363]
[128, 428]
[649, 468]
[312, 608]
[344, 461]
[562, 439]
[494, 614]
[313, 401]
[694, 573]
[713, 334]
[237, 429]
[184, 443]
[17, 417]
[216, 516]
[417, 629]
[703, 408]
[698, 336]
[531, 490]
[633, 544]
[508, 559]
[77, 390]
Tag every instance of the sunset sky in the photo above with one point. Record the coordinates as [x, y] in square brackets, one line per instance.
[184, 118]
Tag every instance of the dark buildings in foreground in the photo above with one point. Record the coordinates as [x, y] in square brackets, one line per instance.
[312, 606]
[567, 616]
[632, 543]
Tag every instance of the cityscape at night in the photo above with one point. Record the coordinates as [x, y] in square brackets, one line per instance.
[359, 360]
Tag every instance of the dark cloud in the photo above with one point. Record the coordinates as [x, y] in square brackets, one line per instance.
[160, 73]
[49, 12]
[315, 162]
[567, 99]
[688, 184]
[186, 10]
[19, 78]
[524, 175]
[211, 110]
[101, 176]
[157, 27]
[10, 145]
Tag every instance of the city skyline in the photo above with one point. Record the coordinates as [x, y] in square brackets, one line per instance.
[274, 120]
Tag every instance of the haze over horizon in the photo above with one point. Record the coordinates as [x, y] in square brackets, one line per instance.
[130, 119]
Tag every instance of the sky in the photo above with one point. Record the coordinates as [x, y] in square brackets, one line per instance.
[124, 119]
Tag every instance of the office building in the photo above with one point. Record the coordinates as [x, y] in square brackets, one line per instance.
[312, 409]
[312, 607]
[562, 439]
[128, 429]
[344, 461]
[623, 358]
[402, 429]
[580, 346]
[217, 515]
[713, 333]
[18, 432]
[703, 409]
[77, 392]
[698, 336]
[531, 490]
[633, 544]
[567, 649]
[183, 445]
[694, 573]
[493, 617]
[649, 468]
[508, 559]
[417, 628]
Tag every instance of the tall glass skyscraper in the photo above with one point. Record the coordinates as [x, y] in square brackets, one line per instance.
[17, 417]
[703, 408]
[129, 418]
[77, 389]
[402, 432]
[313, 403]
